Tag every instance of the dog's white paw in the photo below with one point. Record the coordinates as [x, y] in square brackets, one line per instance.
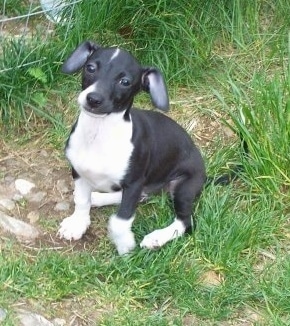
[153, 240]
[121, 235]
[125, 244]
[158, 238]
[73, 227]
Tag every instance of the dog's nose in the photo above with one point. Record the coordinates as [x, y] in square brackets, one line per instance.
[94, 99]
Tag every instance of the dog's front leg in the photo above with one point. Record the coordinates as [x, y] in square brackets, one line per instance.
[74, 226]
[120, 224]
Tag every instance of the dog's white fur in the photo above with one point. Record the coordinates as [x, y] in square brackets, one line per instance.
[110, 137]
[158, 238]
[74, 226]
[100, 199]
[121, 234]
[115, 54]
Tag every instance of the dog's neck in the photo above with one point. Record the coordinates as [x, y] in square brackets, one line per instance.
[92, 115]
[91, 127]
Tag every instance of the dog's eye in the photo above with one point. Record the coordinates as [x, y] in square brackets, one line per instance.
[91, 68]
[125, 82]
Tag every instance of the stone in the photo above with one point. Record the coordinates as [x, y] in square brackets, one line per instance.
[37, 197]
[22, 230]
[45, 171]
[3, 314]
[24, 186]
[33, 217]
[58, 322]
[28, 318]
[62, 186]
[7, 204]
[17, 197]
[9, 179]
[44, 153]
[62, 206]
[211, 278]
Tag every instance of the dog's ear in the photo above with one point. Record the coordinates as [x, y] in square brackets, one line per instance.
[153, 83]
[79, 57]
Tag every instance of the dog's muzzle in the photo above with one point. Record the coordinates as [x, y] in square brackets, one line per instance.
[94, 100]
[95, 104]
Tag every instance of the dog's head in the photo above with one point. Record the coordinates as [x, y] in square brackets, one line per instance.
[111, 78]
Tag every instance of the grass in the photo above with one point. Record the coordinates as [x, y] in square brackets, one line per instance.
[232, 239]
[233, 57]
[265, 107]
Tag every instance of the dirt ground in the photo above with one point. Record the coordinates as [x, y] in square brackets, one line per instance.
[50, 172]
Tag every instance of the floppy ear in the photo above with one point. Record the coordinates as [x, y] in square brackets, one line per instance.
[79, 57]
[153, 83]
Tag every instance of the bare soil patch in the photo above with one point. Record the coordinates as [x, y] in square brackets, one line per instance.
[50, 172]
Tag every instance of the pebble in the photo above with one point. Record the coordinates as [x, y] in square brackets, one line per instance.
[62, 206]
[20, 229]
[33, 217]
[28, 318]
[44, 153]
[228, 132]
[9, 179]
[3, 314]
[58, 322]
[45, 171]
[37, 197]
[24, 186]
[7, 204]
[62, 186]
[17, 197]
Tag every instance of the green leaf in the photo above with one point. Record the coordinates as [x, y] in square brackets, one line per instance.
[40, 99]
[38, 74]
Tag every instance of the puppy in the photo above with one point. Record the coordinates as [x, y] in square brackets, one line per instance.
[119, 154]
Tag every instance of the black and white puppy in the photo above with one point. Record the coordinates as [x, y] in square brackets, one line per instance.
[119, 154]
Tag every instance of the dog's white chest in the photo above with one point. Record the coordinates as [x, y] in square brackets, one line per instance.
[99, 149]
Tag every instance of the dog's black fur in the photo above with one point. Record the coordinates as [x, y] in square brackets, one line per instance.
[160, 154]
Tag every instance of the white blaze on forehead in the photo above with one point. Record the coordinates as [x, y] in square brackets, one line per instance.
[115, 54]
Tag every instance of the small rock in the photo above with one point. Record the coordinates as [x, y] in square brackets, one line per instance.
[228, 132]
[62, 186]
[9, 179]
[28, 318]
[17, 197]
[252, 315]
[58, 322]
[37, 197]
[211, 278]
[24, 186]
[33, 217]
[43, 153]
[45, 171]
[7, 204]
[3, 314]
[17, 227]
[62, 206]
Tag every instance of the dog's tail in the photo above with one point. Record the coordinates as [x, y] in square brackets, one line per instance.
[233, 174]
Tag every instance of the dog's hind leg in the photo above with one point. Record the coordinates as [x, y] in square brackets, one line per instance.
[100, 199]
[183, 195]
